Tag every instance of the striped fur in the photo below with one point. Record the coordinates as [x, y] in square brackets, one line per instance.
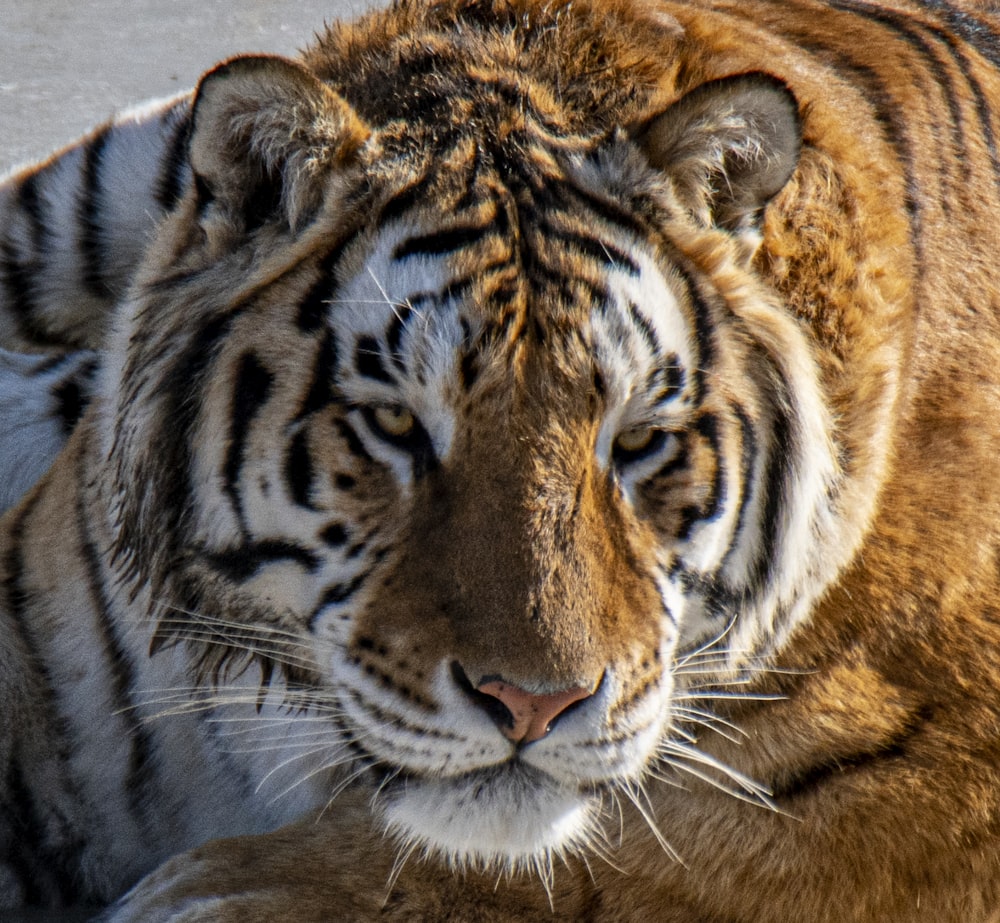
[524, 435]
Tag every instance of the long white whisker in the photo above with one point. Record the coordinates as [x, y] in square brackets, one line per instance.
[688, 759]
[638, 798]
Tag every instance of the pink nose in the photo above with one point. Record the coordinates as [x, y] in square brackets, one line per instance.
[530, 714]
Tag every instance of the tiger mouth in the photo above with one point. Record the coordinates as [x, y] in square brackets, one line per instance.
[508, 815]
[513, 771]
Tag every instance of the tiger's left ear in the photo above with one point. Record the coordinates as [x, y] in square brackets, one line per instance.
[265, 132]
[729, 146]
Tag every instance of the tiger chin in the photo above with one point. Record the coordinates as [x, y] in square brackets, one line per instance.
[539, 462]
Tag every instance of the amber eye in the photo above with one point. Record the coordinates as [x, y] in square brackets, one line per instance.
[395, 421]
[638, 442]
[634, 440]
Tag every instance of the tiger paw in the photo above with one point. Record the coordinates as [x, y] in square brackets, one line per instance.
[339, 869]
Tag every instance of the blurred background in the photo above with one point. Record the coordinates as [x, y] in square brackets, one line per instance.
[66, 65]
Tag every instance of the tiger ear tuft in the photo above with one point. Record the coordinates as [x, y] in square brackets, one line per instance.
[265, 132]
[729, 146]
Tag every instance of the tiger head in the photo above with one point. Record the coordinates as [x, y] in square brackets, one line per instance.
[454, 392]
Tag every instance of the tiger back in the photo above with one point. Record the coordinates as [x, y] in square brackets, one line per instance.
[568, 431]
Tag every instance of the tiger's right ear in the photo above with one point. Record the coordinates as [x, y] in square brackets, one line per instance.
[265, 132]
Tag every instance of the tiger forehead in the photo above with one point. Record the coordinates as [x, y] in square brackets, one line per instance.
[521, 236]
[439, 304]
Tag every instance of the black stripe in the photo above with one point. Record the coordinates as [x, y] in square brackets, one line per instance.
[980, 34]
[174, 166]
[299, 472]
[982, 103]
[321, 391]
[17, 275]
[31, 203]
[404, 200]
[572, 197]
[19, 271]
[314, 308]
[592, 248]
[336, 594]
[91, 240]
[646, 330]
[667, 380]
[459, 288]
[250, 392]
[334, 535]
[704, 328]
[774, 483]
[346, 481]
[908, 30]
[892, 123]
[245, 561]
[805, 781]
[355, 445]
[16, 596]
[571, 290]
[707, 426]
[27, 856]
[368, 359]
[71, 397]
[445, 241]
[394, 334]
[748, 456]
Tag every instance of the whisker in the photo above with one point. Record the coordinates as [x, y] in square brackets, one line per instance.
[291, 759]
[688, 759]
[403, 855]
[637, 797]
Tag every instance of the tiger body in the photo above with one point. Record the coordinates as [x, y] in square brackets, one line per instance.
[539, 435]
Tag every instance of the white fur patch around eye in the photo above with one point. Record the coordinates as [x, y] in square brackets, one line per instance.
[421, 366]
[641, 330]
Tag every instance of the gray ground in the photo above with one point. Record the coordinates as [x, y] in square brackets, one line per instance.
[66, 65]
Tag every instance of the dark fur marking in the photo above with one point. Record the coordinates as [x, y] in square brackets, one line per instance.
[174, 167]
[394, 335]
[804, 782]
[299, 471]
[368, 359]
[334, 535]
[245, 561]
[355, 445]
[446, 241]
[71, 398]
[91, 242]
[250, 392]
[336, 594]
[321, 388]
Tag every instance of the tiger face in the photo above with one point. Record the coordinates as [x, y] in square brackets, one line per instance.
[474, 457]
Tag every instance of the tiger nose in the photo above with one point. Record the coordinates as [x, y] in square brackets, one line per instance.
[529, 716]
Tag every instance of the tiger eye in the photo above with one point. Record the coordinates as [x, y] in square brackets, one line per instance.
[634, 440]
[394, 420]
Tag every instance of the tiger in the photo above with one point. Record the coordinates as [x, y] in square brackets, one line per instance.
[532, 460]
